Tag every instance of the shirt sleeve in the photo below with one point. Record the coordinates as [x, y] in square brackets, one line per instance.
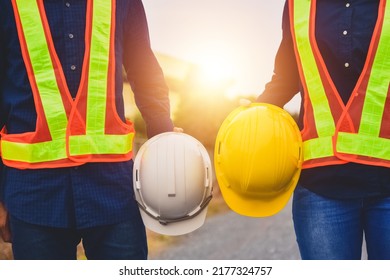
[2, 68]
[1, 183]
[2, 77]
[284, 84]
[144, 73]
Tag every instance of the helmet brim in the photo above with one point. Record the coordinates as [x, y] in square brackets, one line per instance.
[259, 206]
[174, 228]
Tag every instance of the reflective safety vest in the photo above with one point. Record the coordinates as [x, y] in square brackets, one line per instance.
[335, 133]
[69, 132]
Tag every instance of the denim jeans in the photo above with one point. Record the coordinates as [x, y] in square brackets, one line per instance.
[122, 241]
[334, 229]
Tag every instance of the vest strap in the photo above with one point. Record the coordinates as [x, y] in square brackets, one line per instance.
[365, 145]
[317, 148]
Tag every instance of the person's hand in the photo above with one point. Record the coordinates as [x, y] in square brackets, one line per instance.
[5, 232]
[245, 102]
[178, 129]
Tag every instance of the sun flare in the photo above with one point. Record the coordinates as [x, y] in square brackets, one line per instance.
[216, 66]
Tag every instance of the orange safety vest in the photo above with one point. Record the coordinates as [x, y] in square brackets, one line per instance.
[69, 132]
[335, 133]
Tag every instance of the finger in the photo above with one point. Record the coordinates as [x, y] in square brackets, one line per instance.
[245, 102]
[178, 129]
[5, 234]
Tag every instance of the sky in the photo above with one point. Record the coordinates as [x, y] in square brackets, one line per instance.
[235, 38]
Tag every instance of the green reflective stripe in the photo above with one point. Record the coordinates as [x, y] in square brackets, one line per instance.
[42, 66]
[317, 148]
[98, 73]
[50, 95]
[364, 145]
[101, 144]
[32, 153]
[378, 84]
[95, 141]
[367, 142]
[322, 114]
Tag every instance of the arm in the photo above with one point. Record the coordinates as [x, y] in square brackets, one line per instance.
[144, 73]
[2, 81]
[5, 233]
[285, 80]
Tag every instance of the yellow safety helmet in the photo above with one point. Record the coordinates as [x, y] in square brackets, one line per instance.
[258, 159]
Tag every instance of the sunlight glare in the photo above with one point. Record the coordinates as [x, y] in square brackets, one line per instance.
[216, 67]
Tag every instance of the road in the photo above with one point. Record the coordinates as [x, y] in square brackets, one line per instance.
[230, 236]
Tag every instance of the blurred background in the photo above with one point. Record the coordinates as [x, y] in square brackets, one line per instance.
[213, 53]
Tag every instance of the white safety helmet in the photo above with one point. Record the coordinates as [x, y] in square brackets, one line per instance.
[172, 183]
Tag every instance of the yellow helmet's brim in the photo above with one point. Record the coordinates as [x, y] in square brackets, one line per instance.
[259, 206]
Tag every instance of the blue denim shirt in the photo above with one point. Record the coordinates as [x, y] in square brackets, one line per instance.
[94, 193]
[333, 17]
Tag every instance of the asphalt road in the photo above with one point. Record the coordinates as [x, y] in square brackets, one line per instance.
[230, 236]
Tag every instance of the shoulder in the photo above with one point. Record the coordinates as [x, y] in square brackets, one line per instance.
[5, 8]
[129, 10]
[128, 6]
[7, 18]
